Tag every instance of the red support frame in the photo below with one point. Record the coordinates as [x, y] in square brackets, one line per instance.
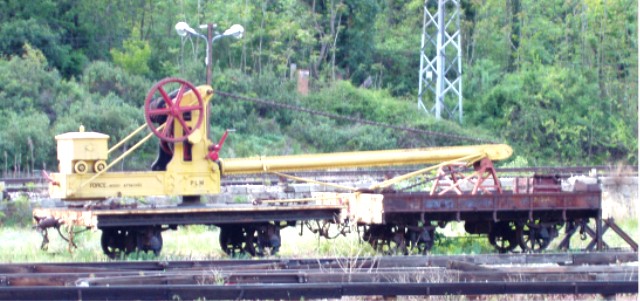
[483, 171]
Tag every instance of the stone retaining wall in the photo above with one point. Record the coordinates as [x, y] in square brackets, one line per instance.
[619, 197]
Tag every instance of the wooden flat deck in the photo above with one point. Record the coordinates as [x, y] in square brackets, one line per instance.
[188, 215]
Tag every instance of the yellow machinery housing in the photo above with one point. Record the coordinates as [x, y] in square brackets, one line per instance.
[190, 175]
[82, 152]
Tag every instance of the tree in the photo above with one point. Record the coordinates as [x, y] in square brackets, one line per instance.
[134, 58]
[26, 139]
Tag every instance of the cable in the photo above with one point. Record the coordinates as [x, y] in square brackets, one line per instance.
[354, 119]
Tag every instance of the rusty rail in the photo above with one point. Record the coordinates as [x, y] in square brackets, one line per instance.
[316, 290]
[324, 278]
[560, 259]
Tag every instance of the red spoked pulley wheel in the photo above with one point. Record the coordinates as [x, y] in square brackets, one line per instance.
[173, 109]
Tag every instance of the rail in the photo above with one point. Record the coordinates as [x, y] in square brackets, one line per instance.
[582, 274]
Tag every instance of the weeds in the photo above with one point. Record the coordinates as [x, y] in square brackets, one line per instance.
[17, 212]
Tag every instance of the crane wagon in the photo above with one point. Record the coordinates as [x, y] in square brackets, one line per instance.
[526, 214]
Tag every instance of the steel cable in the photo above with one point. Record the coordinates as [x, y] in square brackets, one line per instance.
[349, 118]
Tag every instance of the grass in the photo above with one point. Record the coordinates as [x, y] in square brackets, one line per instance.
[201, 243]
[22, 244]
[628, 225]
[187, 243]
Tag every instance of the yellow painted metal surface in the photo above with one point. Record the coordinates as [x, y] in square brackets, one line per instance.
[88, 147]
[134, 184]
[189, 172]
[82, 146]
[432, 155]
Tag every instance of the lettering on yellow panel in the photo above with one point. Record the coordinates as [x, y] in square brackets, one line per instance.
[97, 185]
[196, 183]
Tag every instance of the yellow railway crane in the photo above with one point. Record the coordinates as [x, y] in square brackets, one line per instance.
[195, 167]
[180, 119]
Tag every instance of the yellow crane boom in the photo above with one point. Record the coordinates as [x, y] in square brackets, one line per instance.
[415, 156]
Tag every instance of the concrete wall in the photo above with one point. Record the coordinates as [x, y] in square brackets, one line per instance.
[619, 197]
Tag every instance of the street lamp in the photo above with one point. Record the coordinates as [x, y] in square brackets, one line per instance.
[183, 29]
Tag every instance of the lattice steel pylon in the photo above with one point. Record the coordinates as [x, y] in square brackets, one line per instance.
[441, 58]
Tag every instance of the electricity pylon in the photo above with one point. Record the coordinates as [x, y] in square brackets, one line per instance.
[440, 58]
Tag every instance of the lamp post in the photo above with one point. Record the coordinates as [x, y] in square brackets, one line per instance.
[183, 29]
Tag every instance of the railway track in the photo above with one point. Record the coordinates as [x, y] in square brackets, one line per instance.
[606, 274]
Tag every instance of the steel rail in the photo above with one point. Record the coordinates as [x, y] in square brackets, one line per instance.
[383, 275]
[561, 259]
[324, 277]
[315, 290]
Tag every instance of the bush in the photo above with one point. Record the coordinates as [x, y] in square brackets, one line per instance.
[17, 212]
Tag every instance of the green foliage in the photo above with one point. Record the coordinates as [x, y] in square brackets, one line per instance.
[548, 112]
[346, 100]
[357, 41]
[556, 80]
[467, 244]
[517, 162]
[104, 78]
[16, 213]
[26, 140]
[17, 33]
[31, 85]
[553, 95]
[134, 58]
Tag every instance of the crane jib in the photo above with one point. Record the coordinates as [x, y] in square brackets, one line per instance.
[494, 152]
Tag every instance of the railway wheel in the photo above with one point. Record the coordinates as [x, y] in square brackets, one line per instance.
[420, 240]
[535, 236]
[395, 244]
[172, 110]
[268, 240]
[503, 236]
[117, 242]
[236, 240]
[388, 240]
[150, 240]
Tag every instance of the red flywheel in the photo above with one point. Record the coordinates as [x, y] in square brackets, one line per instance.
[161, 105]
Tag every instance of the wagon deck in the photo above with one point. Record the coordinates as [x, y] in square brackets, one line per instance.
[188, 215]
[506, 205]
